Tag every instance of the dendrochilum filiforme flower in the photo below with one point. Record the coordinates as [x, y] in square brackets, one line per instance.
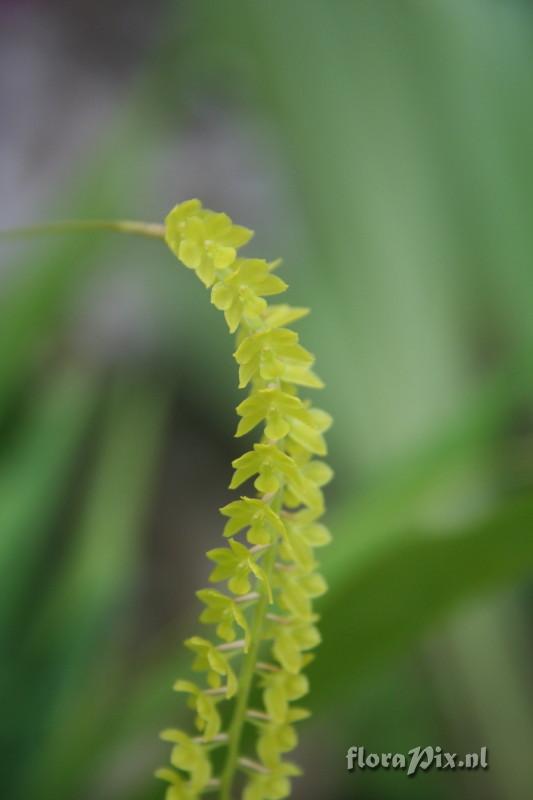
[264, 625]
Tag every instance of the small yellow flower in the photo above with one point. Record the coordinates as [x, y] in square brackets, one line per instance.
[203, 240]
[240, 295]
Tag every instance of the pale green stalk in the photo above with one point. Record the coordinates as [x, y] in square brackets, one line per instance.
[152, 230]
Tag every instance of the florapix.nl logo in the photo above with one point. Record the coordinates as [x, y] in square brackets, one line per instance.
[417, 759]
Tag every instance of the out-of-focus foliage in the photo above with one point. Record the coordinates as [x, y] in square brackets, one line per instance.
[386, 148]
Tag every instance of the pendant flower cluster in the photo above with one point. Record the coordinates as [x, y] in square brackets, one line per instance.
[262, 611]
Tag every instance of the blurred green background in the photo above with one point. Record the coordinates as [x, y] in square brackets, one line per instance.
[383, 148]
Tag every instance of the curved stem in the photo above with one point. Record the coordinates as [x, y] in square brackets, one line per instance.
[245, 681]
[152, 230]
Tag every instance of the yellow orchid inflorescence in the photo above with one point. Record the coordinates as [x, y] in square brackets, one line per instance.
[264, 624]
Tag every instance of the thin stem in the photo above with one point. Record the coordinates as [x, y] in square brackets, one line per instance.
[246, 677]
[153, 230]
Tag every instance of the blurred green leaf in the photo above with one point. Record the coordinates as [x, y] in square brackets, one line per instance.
[414, 584]
[388, 504]
[33, 473]
[93, 586]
